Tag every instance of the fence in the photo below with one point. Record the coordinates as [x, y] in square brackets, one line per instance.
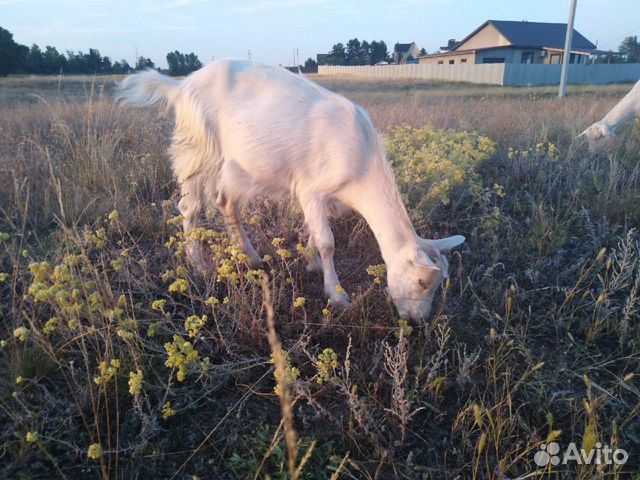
[512, 74]
[491, 74]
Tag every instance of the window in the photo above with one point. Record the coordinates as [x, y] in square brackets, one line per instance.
[464, 60]
[555, 58]
[440, 62]
[451, 62]
[574, 58]
[527, 57]
[493, 60]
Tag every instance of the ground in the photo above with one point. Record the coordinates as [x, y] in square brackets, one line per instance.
[118, 361]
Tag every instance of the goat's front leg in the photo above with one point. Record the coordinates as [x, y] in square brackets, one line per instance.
[229, 209]
[315, 213]
[189, 207]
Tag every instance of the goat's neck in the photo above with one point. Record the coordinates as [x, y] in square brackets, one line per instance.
[625, 110]
[377, 199]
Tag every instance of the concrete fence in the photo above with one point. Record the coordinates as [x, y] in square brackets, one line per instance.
[490, 74]
[512, 74]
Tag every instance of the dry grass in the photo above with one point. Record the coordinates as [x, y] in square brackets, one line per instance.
[536, 338]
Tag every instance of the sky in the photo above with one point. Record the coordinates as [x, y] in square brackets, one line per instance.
[272, 29]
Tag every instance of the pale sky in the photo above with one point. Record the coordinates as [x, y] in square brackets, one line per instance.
[272, 29]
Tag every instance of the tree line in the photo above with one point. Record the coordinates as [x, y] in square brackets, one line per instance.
[17, 59]
[356, 52]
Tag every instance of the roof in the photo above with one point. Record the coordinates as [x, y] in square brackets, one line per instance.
[402, 47]
[535, 34]
[450, 53]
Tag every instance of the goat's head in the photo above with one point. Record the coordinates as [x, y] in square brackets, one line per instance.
[596, 135]
[415, 277]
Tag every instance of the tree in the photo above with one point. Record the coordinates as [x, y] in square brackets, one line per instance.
[378, 52]
[94, 61]
[354, 52]
[34, 63]
[143, 63]
[365, 55]
[423, 51]
[630, 48]
[121, 67]
[181, 64]
[192, 63]
[12, 54]
[337, 55]
[54, 61]
[310, 63]
[105, 65]
[76, 62]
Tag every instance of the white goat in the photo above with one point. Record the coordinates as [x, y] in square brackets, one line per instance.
[243, 129]
[625, 110]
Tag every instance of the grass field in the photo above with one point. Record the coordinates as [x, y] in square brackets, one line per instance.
[117, 361]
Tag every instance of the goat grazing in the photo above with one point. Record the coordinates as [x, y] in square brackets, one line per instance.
[625, 110]
[243, 129]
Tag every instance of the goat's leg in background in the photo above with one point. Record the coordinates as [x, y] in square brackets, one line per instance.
[314, 263]
[229, 208]
[315, 213]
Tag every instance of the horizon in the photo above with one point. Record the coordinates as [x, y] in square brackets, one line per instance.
[272, 31]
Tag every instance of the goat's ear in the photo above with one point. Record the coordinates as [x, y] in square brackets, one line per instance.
[421, 259]
[446, 244]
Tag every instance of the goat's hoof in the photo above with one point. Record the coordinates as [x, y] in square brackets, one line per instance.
[314, 267]
[200, 268]
[255, 263]
[340, 300]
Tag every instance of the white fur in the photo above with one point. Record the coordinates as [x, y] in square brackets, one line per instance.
[627, 109]
[243, 129]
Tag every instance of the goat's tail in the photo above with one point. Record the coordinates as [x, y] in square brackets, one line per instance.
[147, 88]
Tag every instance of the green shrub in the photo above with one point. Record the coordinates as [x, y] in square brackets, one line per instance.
[430, 163]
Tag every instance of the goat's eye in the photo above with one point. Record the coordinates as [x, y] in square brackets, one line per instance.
[424, 284]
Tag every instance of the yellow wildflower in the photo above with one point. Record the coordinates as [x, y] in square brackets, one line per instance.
[21, 333]
[277, 242]
[95, 451]
[135, 382]
[193, 324]
[180, 355]
[326, 362]
[167, 411]
[180, 285]
[158, 305]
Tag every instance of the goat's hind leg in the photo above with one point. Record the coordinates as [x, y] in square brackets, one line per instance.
[189, 206]
[228, 206]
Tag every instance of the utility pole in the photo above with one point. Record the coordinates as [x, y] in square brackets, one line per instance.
[249, 53]
[567, 50]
